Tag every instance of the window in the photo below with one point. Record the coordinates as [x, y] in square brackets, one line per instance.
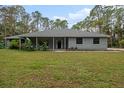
[79, 40]
[96, 40]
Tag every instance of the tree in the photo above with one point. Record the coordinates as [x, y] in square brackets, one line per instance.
[60, 24]
[96, 14]
[45, 23]
[51, 24]
[36, 20]
[57, 23]
[76, 27]
[105, 19]
[64, 24]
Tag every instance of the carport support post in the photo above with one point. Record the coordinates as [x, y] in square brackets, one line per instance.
[5, 43]
[20, 43]
[36, 43]
[53, 43]
[64, 42]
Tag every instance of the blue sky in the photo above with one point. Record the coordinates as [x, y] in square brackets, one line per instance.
[72, 13]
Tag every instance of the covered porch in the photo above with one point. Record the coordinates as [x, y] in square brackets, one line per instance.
[53, 43]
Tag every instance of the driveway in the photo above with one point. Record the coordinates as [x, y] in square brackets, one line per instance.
[115, 49]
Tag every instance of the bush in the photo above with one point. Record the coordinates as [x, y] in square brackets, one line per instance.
[14, 44]
[2, 45]
[121, 43]
[43, 46]
[28, 45]
[1, 38]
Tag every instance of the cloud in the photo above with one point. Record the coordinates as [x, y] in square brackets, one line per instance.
[59, 17]
[81, 14]
[74, 17]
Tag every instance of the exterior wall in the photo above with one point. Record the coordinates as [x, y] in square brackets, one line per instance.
[88, 44]
[71, 43]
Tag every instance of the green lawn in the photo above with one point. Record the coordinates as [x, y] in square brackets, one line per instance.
[61, 69]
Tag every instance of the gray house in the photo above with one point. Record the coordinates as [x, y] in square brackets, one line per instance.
[65, 39]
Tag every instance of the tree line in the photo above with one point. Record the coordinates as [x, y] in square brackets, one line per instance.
[15, 20]
[105, 19]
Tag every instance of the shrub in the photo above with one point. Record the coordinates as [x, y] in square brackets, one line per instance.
[2, 45]
[43, 46]
[115, 43]
[1, 38]
[28, 45]
[14, 44]
[121, 43]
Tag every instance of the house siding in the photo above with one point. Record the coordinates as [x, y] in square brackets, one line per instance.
[88, 44]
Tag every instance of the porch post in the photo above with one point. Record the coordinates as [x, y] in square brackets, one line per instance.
[20, 43]
[5, 42]
[36, 43]
[64, 42]
[53, 43]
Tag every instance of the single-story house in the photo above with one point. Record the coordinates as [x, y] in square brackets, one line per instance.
[66, 39]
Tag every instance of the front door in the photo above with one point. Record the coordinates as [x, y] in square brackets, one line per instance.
[59, 44]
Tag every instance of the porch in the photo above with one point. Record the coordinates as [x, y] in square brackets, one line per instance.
[53, 43]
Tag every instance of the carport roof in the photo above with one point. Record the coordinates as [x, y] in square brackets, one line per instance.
[13, 37]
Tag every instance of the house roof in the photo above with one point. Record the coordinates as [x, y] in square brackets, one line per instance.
[62, 33]
[13, 37]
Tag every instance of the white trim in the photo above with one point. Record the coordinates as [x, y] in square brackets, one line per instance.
[53, 44]
[36, 43]
[64, 42]
[20, 43]
[61, 44]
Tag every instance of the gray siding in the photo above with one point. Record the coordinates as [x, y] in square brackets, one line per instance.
[88, 44]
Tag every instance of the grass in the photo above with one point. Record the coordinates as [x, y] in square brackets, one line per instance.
[61, 69]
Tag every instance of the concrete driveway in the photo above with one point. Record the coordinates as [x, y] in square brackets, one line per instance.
[115, 49]
[108, 50]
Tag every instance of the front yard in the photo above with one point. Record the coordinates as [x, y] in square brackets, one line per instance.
[61, 69]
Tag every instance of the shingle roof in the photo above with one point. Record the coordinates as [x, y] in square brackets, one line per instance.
[63, 33]
[11, 37]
